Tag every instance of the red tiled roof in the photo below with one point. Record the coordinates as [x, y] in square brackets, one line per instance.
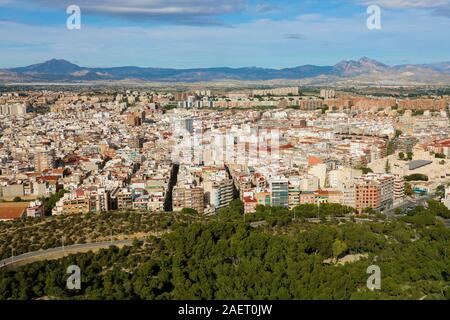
[49, 178]
[314, 160]
[13, 210]
[444, 143]
[33, 174]
[249, 200]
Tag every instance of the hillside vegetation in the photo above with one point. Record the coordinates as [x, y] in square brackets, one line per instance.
[226, 258]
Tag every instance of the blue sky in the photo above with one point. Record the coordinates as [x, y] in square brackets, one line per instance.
[214, 33]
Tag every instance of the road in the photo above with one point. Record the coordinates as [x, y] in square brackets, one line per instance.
[447, 223]
[60, 252]
[414, 202]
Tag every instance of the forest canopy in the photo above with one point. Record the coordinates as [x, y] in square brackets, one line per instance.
[227, 258]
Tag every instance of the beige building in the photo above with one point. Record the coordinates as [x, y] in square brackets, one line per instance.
[277, 92]
[44, 159]
[76, 206]
[188, 197]
[16, 109]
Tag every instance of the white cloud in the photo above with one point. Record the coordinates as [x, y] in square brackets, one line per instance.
[257, 43]
[403, 4]
[182, 11]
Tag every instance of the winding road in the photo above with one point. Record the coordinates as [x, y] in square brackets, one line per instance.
[56, 253]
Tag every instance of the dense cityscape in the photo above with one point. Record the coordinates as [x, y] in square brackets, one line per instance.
[156, 151]
[141, 164]
[224, 158]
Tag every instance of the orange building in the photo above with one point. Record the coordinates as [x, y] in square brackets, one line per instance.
[374, 191]
[13, 210]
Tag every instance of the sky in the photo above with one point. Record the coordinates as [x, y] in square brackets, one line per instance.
[223, 33]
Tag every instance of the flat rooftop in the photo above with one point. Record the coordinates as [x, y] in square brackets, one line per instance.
[416, 164]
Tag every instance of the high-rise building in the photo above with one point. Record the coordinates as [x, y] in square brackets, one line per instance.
[309, 183]
[44, 159]
[277, 91]
[124, 200]
[183, 125]
[446, 199]
[135, 118]
[99, 200]
[327, 94]
[374, 191]
[320, 171]
[294, 193]
[279, 189]
[135, 142]
[221, 193]
[399, 190]
[203, 92]
[190, 102]
[181, 96]
[188, 197]
[16, 109]
[310, 104]
[349, 194]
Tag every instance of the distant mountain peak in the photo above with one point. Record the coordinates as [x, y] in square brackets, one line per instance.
[57, 60]
[53, 67]
[368, 61]
[363, 69]
[364, 65]
[58, 63]
[362, 60]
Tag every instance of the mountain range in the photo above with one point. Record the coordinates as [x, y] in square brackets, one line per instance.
[364, 70]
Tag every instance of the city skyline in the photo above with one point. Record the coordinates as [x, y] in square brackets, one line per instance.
[237, 33]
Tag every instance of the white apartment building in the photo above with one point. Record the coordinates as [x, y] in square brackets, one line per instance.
[446, 199]
[337, 178]
[279, 192]
[16, 109]
[309, 183]
[221, 193]
[399, 190]
[320, 171]
[327, 93]
[277, 92]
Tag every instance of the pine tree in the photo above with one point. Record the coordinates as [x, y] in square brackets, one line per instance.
[387, 168]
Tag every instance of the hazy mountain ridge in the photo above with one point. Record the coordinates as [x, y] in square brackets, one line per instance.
[362, 70]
